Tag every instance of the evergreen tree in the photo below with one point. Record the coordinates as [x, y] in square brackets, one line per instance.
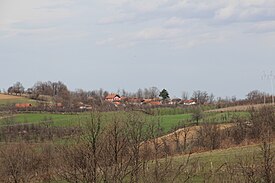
[164, 94]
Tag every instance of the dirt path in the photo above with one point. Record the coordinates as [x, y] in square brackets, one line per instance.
[190, 131]
[180, 136]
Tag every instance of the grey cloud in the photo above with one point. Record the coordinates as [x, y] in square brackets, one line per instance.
[194, 19]
[262, 27]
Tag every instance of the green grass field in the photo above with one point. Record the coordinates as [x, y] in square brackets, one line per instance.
[167, 122]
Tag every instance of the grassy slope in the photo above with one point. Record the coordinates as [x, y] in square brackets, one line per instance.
[213, 160]
[10, 99]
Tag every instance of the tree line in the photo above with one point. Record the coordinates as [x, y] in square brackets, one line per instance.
[60, 93]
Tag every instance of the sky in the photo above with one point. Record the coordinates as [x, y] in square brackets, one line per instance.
[220, 46]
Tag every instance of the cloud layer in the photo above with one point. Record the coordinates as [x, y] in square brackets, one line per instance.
[123, 23]
[33, 17]
[188, 22]
[133, 43]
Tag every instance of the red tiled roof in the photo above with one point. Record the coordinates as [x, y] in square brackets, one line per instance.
[155, 103]
[23, 105]
[188, 101]
[111, 96]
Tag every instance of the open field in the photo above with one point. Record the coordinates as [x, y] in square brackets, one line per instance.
[239, 108]
[167, 122]
[11, 99]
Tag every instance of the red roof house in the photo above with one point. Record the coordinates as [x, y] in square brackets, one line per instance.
[113, 98]
[25, 105]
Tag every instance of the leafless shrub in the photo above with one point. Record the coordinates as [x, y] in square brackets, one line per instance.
[209, 136]
[20, 163]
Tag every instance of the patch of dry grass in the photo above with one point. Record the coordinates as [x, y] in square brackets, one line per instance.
[9, 97]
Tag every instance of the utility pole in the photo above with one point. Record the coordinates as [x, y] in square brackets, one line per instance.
[270, 77]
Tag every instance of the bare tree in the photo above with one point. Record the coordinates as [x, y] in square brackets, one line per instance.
[139, 93]
[17, 88]
[200, 96]
[185, 95]
[20, 164]
[209, 136]
[211, 98]
[135, 125]
[81, 161]
[255, 96]
[197, 115]
[153, 92]
[115, 155]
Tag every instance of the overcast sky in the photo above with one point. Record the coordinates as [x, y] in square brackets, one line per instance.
[221, 46]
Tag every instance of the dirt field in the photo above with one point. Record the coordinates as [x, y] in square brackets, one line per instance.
[8, 97]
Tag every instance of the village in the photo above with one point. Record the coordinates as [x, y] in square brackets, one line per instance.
[120, 100]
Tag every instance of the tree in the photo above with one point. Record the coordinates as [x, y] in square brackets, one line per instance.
[10, 90]
[211, 98]
[255, 96]
[153, 92]
[20, 163]
[139, 93]
[164, 94]
[201, 96]
[17, 88]
[185, 95]
[197, 115]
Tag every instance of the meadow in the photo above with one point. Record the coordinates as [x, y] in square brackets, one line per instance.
[167, 122]
[11, 100]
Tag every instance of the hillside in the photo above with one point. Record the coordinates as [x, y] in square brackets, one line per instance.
[239, 108]
[10, 99]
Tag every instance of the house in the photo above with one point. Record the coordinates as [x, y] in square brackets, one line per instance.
[24, 105]
[154, 102]
[135, 101]
[124, 99]
[189, 102]
[145, 101]
[86, 107]
[113, 98]
[175, 101]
